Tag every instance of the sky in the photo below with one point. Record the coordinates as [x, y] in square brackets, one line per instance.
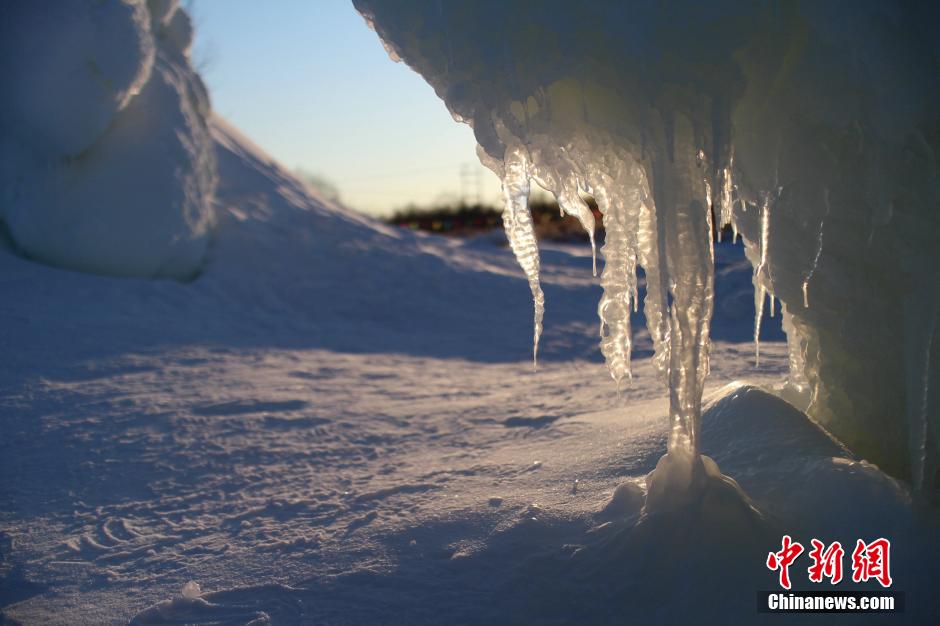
[310, 83]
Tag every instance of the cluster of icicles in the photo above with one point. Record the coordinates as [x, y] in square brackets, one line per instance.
[672, 243]
[628, 242]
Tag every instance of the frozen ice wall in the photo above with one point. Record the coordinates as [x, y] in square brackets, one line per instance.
[105, 159]
[811, 127]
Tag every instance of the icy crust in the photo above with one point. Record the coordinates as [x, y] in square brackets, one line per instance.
[810, 129]
[106, 164]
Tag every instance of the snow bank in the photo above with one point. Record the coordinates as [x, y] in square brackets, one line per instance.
[106, 164]
[809, 127]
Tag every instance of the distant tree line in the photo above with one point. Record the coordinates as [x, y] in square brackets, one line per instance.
[467, 220]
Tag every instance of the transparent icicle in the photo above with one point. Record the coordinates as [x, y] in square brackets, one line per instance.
[656, 303]
[796, 346]
[760, 289]
[517, 221]
[557, 173]
[562, 182]
[759, 296]
[570, 202]
[614, 306]
[619, 201]
[819, 245]
[727, 197]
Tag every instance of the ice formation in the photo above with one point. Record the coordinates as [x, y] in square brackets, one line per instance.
[778, 118]
[106, 163]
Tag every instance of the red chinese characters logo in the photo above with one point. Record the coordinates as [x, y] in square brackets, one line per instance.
[869, 561]
[872, 560]
[783, 559]
[826, 563]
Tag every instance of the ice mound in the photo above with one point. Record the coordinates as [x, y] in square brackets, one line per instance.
[810, 128]
[106, 163]
[804, 478]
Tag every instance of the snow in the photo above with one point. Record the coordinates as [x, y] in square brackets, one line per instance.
[784, 116]
[334, 421]
[302, 458]
[105, 163]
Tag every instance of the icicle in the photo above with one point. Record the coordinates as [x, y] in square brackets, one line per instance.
[760, 291]
[557, 176]
[796, 376]
[618, 280]
[570, 202]
[772, 305]
[759, 296]
[594, 257]
[764, 233]
[708, 192]
[517, 221]
[655, 305]
[726, 215]
[819, 245]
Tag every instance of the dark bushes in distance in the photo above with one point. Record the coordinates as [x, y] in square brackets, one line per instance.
[466, 220]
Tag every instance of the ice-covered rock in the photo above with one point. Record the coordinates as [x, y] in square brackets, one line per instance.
[810, 127]
[106, 164]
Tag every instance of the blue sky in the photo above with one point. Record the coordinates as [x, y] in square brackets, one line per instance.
[311, 84]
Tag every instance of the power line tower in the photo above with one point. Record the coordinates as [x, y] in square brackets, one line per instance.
[471, 181]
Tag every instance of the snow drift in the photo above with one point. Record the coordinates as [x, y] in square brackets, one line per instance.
[811, 128]
[106, 164]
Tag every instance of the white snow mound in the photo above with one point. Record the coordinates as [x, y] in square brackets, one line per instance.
[106, 164]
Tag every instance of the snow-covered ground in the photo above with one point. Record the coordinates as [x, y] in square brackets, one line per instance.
[337, 422]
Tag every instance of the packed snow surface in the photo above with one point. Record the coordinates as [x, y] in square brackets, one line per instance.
[810, 127]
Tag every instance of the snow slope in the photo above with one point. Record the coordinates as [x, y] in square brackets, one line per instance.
[337, 422]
